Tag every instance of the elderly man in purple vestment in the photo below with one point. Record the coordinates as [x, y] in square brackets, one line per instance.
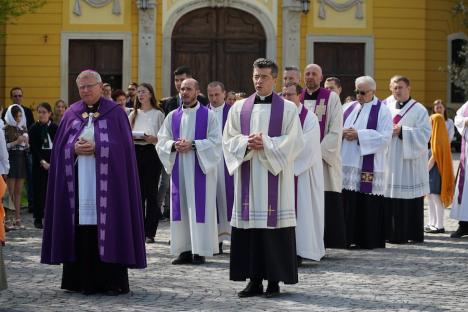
[189, 146]
[327, 106]
[261, 139]
[93, 219]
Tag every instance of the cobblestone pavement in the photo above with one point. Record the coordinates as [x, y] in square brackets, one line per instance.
[431, 276]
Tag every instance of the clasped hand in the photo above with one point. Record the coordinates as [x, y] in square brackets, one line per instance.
[255, 141]
[350, 134]
[183, 145]
[83, 147]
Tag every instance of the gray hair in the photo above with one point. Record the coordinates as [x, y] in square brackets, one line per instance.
[367, 80]
[89, 73]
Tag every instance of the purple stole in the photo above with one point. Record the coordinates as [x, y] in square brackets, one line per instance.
[201, 127]
[322, 102]
[398, 117]
[461, 180]
[367, 171]
[274, 129]
[228, 179]
[348, 111]
[302, 117]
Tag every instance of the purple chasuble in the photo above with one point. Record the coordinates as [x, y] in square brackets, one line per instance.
[121, 237]
[322, 105]
[302, 117]
[367, 171]
[349, 110]
[201, 127]
[461, 180]
[399, 116]
[274, 129]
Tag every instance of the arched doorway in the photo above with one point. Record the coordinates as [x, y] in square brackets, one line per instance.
[218, 44]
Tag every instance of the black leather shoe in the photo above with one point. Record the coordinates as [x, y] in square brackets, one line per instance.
[272, 290]
[38, 224]
[197, 259]
[299, 261]
[221, 248]
[150, 240]
[183, 258]
[435, 231]
[252, 289]
[459, 233]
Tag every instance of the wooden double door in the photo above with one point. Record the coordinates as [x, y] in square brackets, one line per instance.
[218, 44]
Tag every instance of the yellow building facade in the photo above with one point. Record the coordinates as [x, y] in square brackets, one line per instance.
[42, 51]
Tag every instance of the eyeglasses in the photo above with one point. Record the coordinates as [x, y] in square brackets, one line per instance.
[131, 89]
[361, 92]
[84, 87]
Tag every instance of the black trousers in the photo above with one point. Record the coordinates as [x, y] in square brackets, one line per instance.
[263, 254]
[335, 225]
[88, 273]
[149, 170]
[404, 220]
[40, 178]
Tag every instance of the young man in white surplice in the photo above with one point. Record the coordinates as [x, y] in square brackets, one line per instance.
[407, 179]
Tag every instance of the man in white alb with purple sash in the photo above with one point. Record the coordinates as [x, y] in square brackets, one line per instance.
[327, 106]
[225, 183]
[189, 146]
[459, 209]
[308, 183]
[367, 132]
[407, 179]
[261, 139]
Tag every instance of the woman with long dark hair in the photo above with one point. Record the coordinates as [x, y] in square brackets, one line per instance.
[41, 137]
[146, 119]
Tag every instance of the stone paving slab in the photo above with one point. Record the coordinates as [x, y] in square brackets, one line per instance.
[431, 276]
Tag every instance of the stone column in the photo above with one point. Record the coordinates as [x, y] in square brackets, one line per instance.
[292, 11]
[147, 41]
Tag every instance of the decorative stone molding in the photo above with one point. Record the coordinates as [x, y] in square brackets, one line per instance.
[146, 41]
[292, 11]
[340, 7]
[97, 4]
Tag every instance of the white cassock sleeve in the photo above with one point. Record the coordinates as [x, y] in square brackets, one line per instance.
[310, 154]
[460, 120]
[415, 138]
[331, 143]
[164, 145]
[234, 143]
[373, 141]
[279, 152]
[209, 150]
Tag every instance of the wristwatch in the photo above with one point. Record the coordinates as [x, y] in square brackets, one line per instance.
[194, 147]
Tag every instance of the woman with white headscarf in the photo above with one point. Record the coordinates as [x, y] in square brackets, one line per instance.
[16, 136]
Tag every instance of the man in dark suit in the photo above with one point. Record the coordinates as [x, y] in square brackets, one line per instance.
[180, 74]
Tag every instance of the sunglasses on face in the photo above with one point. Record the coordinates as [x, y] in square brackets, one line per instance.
[361, 92]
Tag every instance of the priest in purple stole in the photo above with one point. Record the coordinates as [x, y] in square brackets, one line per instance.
[216, 93]
[189, 146]
[367, 132]
[93, 218]
[327, 106]
[262, 137]
[407, 179]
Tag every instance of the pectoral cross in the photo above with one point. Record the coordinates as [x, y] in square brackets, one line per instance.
[367, 176]
[320, 109]
[270, 210]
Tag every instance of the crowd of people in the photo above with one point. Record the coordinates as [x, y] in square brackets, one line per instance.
[281, 176]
